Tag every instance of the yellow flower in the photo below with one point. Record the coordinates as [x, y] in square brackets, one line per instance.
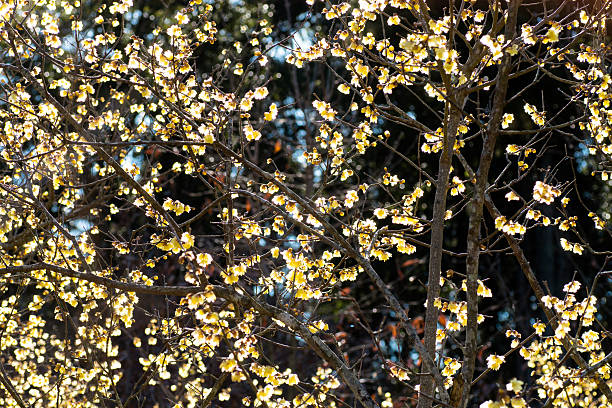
[229, 278]
[552, 35]
[344, 88]
[399, 373]
[539, 118]
[483, 290]
[250, 133]
[204, 260]
[562, 329]
[324, 110]
[572, 287]
[494, 361]
[351, 198]
[512, 149]
[271, 113]
[512, 196]
[317, 326]
[539, 328]
[507, 120]
[393, 20]
[260, 92]
[362, 70]
[453, 326]
[381, 213]
[228, 364]
[292, 379]
[515, 385]
[182, 18]
[187, 240]
[544, 193]
[173, 31]
[239, 69]
[246, 104]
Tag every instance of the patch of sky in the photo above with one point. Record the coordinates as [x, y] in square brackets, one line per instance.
[300, 119]
[78, 194]
[301, 40]
[133, 16]
[133, 159]
[28, 149]
[236, 3]
[293, 242]
[70, 43]
[394, 346]
[235, 172]
[304, 37]
[143, 117]
[317, 174]
[303, 16]
[298, 156]
[20, 179]
[581, 155]
[502, 317]
[279, 53]
[258, 289]
[3, 80]
[69, 46]
[80, 226]
[383, 346]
